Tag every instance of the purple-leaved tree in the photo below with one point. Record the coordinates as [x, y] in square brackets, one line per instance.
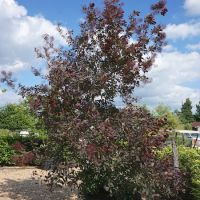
[92, 143]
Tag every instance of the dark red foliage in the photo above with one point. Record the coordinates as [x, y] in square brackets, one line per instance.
[18, 146]
[110, 57]
[22, 157]
[6, 77]
[25, 158]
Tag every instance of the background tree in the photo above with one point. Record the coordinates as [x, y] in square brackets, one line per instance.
[173, 121]
[114, 149]
[16, 117]
[186, 115]
[197, 114]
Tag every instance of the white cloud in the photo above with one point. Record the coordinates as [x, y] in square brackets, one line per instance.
[16, 66]
[192, 7]
[20, 34]
[193, 46]
[169, 79]
[169, 48]
[10, 9]
[183, 31]
[9, 97]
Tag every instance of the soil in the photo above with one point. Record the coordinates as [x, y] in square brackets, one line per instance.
[18, 183]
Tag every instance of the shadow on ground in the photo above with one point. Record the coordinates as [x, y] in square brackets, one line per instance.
[20, 184]
[31, 190]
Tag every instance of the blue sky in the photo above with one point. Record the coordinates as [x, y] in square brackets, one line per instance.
[69, 12]
[175, 75]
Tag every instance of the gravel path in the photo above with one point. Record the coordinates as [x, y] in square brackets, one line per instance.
[19, 184]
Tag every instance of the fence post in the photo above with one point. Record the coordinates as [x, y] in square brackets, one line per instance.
[175, 154]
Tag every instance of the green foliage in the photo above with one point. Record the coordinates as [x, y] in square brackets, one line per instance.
[52, 149]
[92, 184]
[189, 159]
[186, 115]
[197, 114]
[28, 141]
[6, 153]
[187, 126]
[173, 122]
[17, 117]
[4, 132]
[19, 150]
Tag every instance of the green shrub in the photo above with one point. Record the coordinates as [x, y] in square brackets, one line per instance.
[10, 153]
[5, 132]
[29, 141]
[6, 153]
[189, 159]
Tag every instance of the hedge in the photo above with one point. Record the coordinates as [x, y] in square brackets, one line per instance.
[189, 159]
[19, 150]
